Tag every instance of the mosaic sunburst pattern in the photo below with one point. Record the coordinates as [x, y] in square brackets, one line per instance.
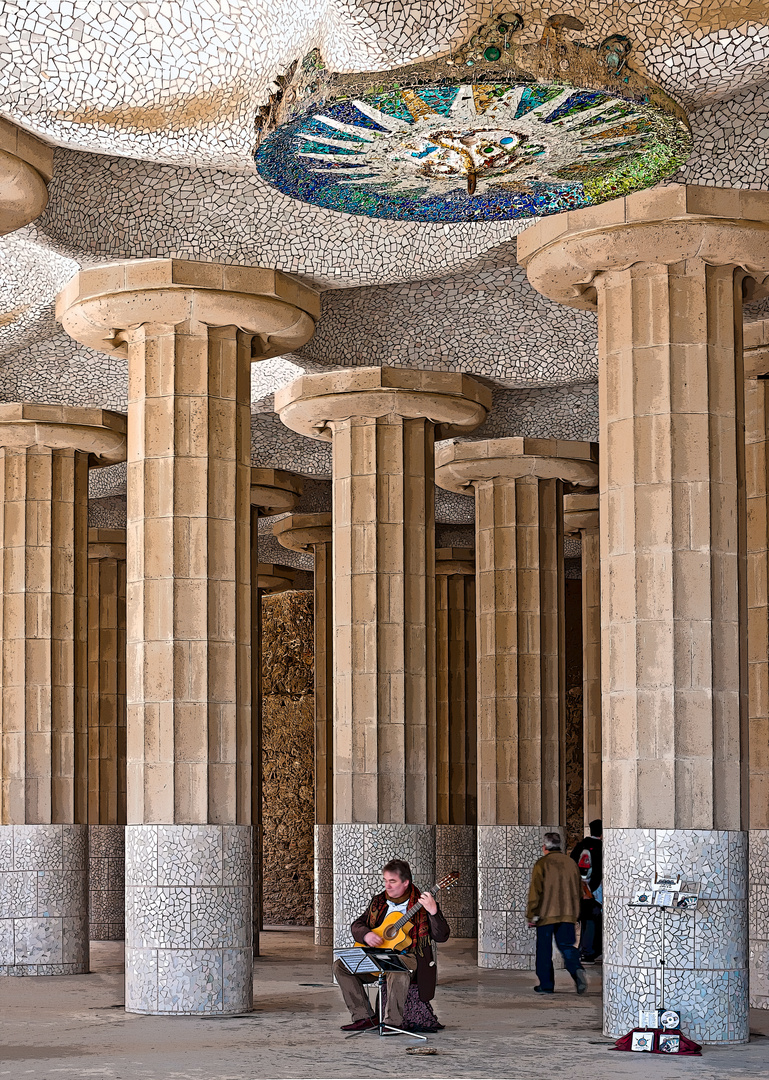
[473, 152]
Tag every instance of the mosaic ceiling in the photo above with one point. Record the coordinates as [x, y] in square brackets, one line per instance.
[158, 110]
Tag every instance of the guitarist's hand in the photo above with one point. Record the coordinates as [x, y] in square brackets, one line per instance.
[374, 940]
[428, 903]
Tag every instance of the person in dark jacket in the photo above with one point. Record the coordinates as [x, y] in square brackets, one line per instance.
[399, 895]
[588, 855]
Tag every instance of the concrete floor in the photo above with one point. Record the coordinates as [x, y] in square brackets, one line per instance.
[74, 1028]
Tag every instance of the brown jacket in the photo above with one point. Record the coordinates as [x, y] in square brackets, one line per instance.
[555, 890]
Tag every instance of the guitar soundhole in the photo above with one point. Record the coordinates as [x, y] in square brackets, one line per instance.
[390, 933]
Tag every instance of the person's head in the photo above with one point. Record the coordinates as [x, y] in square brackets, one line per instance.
[551, 842]
[596, 828]
[397, 877]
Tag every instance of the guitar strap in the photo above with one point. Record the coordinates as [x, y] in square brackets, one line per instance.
[421, 933]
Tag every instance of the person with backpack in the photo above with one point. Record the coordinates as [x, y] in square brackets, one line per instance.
[588, 855]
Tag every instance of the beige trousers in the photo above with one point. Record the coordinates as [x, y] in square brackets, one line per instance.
[356, 998]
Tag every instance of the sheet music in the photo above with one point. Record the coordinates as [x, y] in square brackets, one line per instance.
[357, 961]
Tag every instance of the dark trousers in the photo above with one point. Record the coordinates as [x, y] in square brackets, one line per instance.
[564, 938]
[591, 929]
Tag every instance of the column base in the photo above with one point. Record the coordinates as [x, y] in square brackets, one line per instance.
[506, 855]
[323, 879]
[758, 906]
[706, 975]
[106, 882]
[43, 899]
[455, 849]
[360, 852]
[189, 919]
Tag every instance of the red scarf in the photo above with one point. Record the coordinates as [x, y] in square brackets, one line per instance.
[420, 935]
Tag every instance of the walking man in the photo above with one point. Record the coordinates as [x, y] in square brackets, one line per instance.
[553, 908]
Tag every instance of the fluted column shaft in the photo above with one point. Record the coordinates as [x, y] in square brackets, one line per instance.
[667, 270]
[518, 485]
[44, 460]
[382, 426]
[190, 331]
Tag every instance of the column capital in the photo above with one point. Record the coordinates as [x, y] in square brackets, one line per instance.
[26, 168]
[100, 306]
[274, 578]
[455, 561]
[458, 465]
[301, 532]
[106, 544]
[580, 512]
[98, 432]
[566, 253]
[311, 403]
[275, 491]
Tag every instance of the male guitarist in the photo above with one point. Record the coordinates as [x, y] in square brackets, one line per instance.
[429, 925]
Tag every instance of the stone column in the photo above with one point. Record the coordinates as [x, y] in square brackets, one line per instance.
[26, 168]
[190, 331]
[580, 517]
[456, 735]
[106, 733]
[45, 451]
[312, 532]
[273, 491]
[666, 270]
[382, 423]
[518, 486]
[757, 486]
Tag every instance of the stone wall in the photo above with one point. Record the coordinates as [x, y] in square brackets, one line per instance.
[288, 734]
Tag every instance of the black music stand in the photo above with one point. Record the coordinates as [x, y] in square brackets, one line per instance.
[367, 961]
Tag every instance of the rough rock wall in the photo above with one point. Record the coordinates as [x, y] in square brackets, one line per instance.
[288, 738]
[575, 829]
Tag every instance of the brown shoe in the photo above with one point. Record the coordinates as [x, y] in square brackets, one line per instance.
[360, 1025]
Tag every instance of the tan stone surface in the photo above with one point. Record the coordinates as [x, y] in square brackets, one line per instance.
[456, 694]
[26, 167]
[106, 676]
[98, 306]
[721, 226]
[275, 491]
[382, 423]
[312, 404]
[272, 577]
[520, 617]
[755, 346]
[757, 485]
[44, 461]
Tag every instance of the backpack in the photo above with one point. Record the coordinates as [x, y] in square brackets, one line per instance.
[585, 863]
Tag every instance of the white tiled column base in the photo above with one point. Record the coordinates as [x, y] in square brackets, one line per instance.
[455, 850]
[323, 878]
[43, 899]
[189, 919]
[360, 852]
[758, 915]
[506, 855]
[706, 975]
[106, 882]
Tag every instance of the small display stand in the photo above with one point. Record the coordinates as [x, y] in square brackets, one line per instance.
[377, 962]
[659, 1030]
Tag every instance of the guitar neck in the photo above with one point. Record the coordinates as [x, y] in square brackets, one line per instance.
[414, 909]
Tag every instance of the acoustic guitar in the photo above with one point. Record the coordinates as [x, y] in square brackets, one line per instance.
[395, 929]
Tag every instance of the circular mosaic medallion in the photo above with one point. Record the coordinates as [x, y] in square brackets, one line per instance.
[473, 152]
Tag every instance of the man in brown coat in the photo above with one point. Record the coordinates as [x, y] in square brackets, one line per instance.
[554, 895]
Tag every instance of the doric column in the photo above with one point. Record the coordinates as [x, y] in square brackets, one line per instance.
[273, 491]
[26, 167]
[382, 422]
[106, 733]
[580, 518]
[666, 270]
[757, 486]
[456, 735]
[190, 331]
[518, 486]
[45, 452]
[312, 532]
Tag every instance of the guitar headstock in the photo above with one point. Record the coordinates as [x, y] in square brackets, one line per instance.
[448, 881]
